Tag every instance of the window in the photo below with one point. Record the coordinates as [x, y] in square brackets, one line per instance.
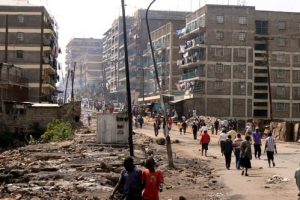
[280, 58]
[220, 35]
[242, 85]
[20, 54]
[242, 68]
[20, 36]
[219, 68]
[281, 74]
[280, 91]
[281, 42]
[220, 19]
[218, 85]
[219, 52]
[298, 74]
[242, 53]
[20, 19]
[261, 27]
[242, 36]
[281, 25]
[243, 20]
[280, 107]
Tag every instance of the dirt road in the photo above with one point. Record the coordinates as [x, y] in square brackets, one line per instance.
[241, 187]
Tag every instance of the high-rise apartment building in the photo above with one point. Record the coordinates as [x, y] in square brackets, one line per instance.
[238, 62]
[28, 40]
[85, 54]
[165, 43]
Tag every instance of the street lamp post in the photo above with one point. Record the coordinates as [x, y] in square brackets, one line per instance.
[127, 82]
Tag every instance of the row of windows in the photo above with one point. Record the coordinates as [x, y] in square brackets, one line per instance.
[219, 52]
[282, 74]
[220, 68]
[220, 36]
[242, 20]
[282, 91]
[282, 107]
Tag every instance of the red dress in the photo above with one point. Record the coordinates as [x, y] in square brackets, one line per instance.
[152, 180]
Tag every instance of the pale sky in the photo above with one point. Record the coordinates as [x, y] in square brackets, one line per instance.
[91, 18]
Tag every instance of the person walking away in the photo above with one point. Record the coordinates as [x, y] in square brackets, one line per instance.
[89, 118]
[141, 121]
[170, 122]
[257, 142]
[179, 124]
[246, 155]
[130, 181]
[216, 123]
[152, 181]
[156, 125]
[270, 148]
[297, 177]
[222, 139]
[184, 126]
[204, 141]
[195, 130]
[228, 147]
[237, 150]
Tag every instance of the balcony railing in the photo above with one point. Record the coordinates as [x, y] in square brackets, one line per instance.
[13, 80]
[192, 75]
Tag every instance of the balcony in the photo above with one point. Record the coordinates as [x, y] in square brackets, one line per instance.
[190, 61]
[192, 75]
[9, 79]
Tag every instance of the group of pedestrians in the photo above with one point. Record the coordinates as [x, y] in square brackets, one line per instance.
[137, 184]
[242, 149]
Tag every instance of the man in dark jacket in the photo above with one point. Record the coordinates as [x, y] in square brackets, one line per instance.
[227, 149]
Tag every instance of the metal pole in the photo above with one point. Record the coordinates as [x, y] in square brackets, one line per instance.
[73, 76]
[166, 130]
[41, 57]
[269, 80]
[127, 82]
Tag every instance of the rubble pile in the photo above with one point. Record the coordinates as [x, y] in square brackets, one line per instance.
[83, 169]
[276, 179]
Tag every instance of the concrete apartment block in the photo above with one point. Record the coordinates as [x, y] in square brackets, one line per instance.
[28, 40]
[239, 49]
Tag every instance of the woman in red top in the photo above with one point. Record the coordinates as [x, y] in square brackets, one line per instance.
[205, 139]
[152, 180]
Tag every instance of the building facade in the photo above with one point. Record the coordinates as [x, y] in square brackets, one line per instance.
[165, 43]
[28, 40]
[238, 62]
[84, 55]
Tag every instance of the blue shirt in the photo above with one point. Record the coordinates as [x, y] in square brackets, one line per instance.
[132, 181]
[257, 137]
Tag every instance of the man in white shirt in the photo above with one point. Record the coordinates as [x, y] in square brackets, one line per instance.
[270, 148]
[222, 138]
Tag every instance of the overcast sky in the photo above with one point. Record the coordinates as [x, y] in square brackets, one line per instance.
[91, 18]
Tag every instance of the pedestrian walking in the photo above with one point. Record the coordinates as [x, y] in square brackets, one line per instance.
[227, 149]
[179, 124]
[195, 130]
[222, 139]
[130, 182]
[237, 150]
[152, 181]
[297, 177]
[204, 141]
[89, 118]
[246, 155]
[257, 135]
[184, 126]
[140, 120]
[270, 148]
[216, 123]
[156, 125]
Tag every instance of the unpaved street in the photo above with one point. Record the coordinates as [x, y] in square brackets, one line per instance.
[241, 187]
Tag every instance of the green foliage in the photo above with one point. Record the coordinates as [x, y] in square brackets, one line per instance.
[6, 138]
[57, 130]
[31, 140]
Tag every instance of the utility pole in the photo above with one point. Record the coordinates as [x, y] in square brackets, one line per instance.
[73, 76]
[166, 130]
[41, 57]
[127, 82]
[269, 79]
[66, 88]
